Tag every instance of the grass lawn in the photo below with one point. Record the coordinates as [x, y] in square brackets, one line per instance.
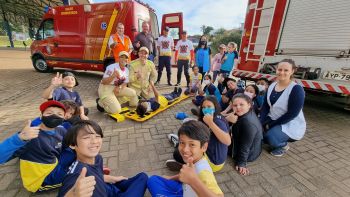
[4, 42]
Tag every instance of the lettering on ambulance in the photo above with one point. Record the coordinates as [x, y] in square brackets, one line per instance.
[69, 11]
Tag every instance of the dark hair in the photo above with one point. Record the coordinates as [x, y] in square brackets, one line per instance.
[291, 62]
[226, 80]
[243, 96]
[256, 89]
[199, 46]
[195, 130]
[70, 139]
[207, 75]
[71, 105]
[141, 110]
[264, 79]
[194, 67]
[216, 105]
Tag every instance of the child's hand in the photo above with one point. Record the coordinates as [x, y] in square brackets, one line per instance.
[57, 80]
[29, 132]
[187, 173]
[113, 179]
[115, 74]
[84, 186]
[231, 117]
[208, 119]
[242, 170]
[83, 117]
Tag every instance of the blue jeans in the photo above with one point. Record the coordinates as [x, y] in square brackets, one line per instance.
[275, 137]
[134, 186]
[161, 187]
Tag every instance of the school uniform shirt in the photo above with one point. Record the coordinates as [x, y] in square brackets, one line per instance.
[165, 45]
[41, 156]
[207, 177]
[212, 90]
[217, 151]
[60, 94]
[195, 78]
[95, 170]
[152, 105]
[9, 146]
[184, 49]
[203, 58]
[228, 64]
[124, 74]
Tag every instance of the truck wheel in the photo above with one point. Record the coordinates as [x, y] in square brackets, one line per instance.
[40, 65]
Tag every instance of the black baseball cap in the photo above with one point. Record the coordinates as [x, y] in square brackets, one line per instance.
[65, 74]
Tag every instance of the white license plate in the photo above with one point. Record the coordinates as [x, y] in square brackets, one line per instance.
[337, 76]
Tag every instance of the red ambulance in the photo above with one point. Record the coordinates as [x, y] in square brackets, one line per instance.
[76, 37]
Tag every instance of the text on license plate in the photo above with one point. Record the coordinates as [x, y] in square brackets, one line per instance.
[337, 76]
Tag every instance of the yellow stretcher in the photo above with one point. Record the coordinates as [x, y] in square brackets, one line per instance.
[119, 117]
[163, 106]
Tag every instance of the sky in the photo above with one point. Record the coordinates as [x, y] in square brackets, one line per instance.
[226, 14]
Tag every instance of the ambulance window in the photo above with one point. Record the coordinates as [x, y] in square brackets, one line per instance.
[154, 25]
[174, 32]
[46, 30]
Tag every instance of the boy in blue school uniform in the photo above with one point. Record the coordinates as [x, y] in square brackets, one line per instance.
[85, 137]
[228, 61]
[196, 177]
[42, 164]
[209, 89]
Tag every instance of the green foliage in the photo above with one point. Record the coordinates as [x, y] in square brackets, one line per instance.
[222, 36]
[207, 30]
[4, 42]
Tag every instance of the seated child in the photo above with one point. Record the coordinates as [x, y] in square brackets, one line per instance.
[154, 103]
[70, 116]
[252, 91]
[42, 164]
[209, 89]
[68, 82]
[195, 82]
[263, 85]
[196, 177]
[85, 137]
[16, 141]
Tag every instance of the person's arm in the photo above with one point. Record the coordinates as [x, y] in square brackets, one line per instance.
[245, 142]
[113, 179]
[227, 109]
[154, 46]
[220, 131]
[131, 47]
[192, 56]
[55, 82]
[189, 176]
[111, 42]
[10, 145]
[295, 104]
[153, 75]
[156, 93]
[106, 80]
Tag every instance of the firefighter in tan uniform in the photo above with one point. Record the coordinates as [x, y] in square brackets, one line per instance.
[142, 73]
[120, 42]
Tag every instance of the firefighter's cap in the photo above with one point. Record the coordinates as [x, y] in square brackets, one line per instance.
[121, 53]
[144, 49]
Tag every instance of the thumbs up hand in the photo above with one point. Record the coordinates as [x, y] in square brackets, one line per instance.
[84, 186]
[28, 132]
[188, 173]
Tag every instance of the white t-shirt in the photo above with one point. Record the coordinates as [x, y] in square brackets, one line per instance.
[184, 49]
[124, 74]
[165, 45]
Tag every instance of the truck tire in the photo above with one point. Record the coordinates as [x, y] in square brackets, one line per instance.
[40, 65]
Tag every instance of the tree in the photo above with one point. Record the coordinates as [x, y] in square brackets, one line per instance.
[206, 30]
[222, 36]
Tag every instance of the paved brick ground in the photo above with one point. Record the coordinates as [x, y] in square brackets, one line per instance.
[318, 165]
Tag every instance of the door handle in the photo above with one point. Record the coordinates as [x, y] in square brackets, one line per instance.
[55, 44]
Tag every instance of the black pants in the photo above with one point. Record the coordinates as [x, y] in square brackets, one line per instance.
[201, 72]
[164, 61]
[183, 64]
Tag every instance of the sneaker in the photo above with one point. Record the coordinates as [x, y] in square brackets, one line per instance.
[278, 152]
[173, 165]
[286, 147]
[169, 84]
[195, 111]
[99, 108]
[174, 139]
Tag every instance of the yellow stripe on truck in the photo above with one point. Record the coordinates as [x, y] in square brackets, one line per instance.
[108, 33]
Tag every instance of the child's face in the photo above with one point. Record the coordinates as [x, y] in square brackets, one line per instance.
[88, 144]
[230, 48]
[231, 85]
[222, 50]
[69, 113]
[190, 148]
[68, 82]
[195, 70]
[262, 82]
[54, 111]
[240, 106]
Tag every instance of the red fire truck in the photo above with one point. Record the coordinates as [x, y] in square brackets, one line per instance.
[76, 37]
[315, 34]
